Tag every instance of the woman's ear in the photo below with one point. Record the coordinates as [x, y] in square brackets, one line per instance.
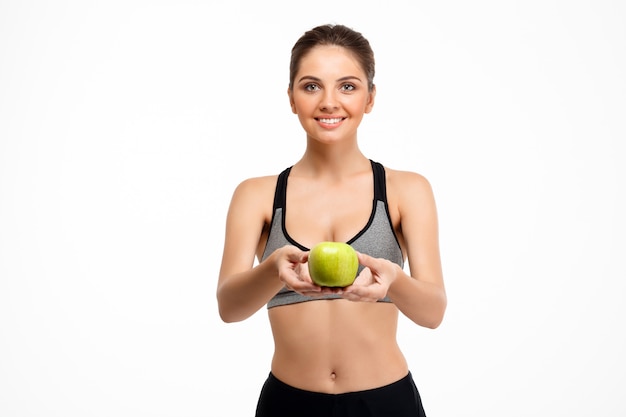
[291, 103]
[370, 100]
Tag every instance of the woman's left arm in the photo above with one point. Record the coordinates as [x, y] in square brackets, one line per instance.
[421, 295]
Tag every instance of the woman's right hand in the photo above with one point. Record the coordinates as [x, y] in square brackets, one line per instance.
[293, 271]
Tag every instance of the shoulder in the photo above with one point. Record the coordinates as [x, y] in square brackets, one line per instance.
[255, 188]
[411, 203]
[406, 182]
[408, 192]
[252, 201]
[250, 184]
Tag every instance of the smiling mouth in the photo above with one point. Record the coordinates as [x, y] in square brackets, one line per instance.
[332, 121]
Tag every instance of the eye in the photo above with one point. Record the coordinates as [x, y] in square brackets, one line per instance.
[311, 87]
[347, 87]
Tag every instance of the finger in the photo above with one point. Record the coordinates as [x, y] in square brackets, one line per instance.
[357, 296]
[296, 255]
[304, 287]
[366, 260]
[332, 290]
[365, 289]
[303, 272]
[322, 292]
[354, 296]
[365, 277]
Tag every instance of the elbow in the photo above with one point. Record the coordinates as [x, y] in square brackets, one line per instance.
[229, 312]
[226, 318]
[433, 323]
[229, 315]
[437, 314]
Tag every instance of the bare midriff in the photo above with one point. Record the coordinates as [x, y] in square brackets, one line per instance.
[336, 346]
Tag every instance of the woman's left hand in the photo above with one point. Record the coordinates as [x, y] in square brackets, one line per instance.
[374, 280]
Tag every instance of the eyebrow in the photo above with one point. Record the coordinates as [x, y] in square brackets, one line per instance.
[312, 78]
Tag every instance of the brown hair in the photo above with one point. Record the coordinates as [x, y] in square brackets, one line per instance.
[338, 35]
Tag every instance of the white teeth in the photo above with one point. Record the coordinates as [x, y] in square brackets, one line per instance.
[331, 121]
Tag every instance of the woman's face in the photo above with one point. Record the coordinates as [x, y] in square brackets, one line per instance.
[330, 94]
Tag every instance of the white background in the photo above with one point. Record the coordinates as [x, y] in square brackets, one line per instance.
[126, 125]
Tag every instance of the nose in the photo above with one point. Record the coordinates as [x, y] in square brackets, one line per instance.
[329, 100]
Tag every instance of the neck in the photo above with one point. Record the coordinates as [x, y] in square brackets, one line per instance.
[336, 159]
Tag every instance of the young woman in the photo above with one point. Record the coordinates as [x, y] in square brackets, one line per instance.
[335, 352]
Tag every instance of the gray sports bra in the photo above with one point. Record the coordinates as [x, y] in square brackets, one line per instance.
[376, 239]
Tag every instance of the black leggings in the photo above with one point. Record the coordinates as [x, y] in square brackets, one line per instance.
[399, 399]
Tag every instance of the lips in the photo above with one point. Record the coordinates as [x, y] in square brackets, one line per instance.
[330, 121]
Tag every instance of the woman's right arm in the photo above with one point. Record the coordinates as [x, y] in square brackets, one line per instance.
[243, 289]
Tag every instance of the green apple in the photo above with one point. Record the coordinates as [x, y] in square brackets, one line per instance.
[333, 264]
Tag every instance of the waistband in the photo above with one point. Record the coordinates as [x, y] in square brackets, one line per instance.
[408, 379]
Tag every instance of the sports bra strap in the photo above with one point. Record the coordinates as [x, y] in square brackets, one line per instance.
[280, 196]
[380, 185]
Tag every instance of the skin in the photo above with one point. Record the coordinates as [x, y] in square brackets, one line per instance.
[349, 344]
